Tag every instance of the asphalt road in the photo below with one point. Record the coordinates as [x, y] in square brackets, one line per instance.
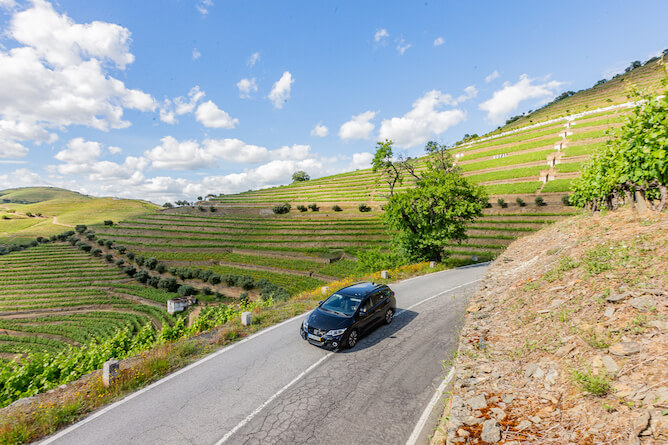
[275, 388]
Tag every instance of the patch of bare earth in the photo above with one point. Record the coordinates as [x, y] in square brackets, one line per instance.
[567, 340]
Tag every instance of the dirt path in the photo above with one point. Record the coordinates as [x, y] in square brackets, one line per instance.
[55, 221]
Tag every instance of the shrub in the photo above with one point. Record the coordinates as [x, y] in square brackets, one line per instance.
[131, 271]
[108, 244]
[141, 276]
[301, 208]
[150, 263]
[520, 202]
[186, 290]
[96, 252]
[336, 208]
[488, 205]
[153, 281]
[139, 260]
[119, 262]
[131, 255]
[168, 284]
[230, 280]
[201, 209]
[80, 228]
[246, 282]
[314, 207]
[160, 268]
[108, 222]
[566, 200]
[214, 279]
[243, 298]
[212, 209]
[85, 247]
[90, 236]
[281, 208]
[363, 208]
[5, 217]
[207, 291]
[100, 242]
[540, 201]
[108, 257]
[593, 384]
[121, 249]
[30, 215]
[502, 203]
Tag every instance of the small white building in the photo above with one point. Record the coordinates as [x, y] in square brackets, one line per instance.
[180, 304]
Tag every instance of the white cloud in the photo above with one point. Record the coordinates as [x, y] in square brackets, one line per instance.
[253, 59]
[203, 6]
[211, 116]
[21, 178]
[247, 87]
[402, 46]
[439, 41]
[320, 130]
[280, 92]
[180, 105]
[361, 161]
[492, 76]
[175, 155]
[12, 149]
[358, 127]
[469, 93]
[79, 151]
[423, 121]
[115, 150]
[196, 54]
[380, 35]
[56, 77]
[506, 100]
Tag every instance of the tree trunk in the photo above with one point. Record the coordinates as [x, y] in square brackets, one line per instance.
[662, 203]
[629, 199]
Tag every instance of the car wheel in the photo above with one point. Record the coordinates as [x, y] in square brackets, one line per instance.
[352, 338]
[389, 316]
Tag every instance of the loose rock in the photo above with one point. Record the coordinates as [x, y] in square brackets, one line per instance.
[491, 432]
[477, 402]
[625, 348]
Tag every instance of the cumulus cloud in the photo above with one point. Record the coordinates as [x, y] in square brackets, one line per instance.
[424, 120]
[79, 151]
[492, 76]
[361, 161]
[253, 59]
[11, 149]
[381, 34]
[172, 154]
[320, 130]
[21, 177]
[115, 150]
[181, 105]
[247, 87]
[469, 93]
[439, 41]
[358, 127]
[196, 54]
[402, 46]
[507, 99]
[203, 6]
[209, 115]
[55, 76]
[280, 92]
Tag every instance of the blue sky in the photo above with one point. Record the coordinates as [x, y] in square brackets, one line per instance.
[174, 99]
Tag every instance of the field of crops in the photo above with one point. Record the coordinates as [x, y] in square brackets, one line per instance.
[54, 295]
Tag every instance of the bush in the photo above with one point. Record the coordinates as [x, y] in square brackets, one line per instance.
[119, 262]
[100, 242]
[186, 290]
[201, 209]
[373, 260]
[83, 246]
[130, 271]
[212, 209]
[5, 217]
[121, 249]
[540, 201]
[246, 282]
[108, 244]
[230, 280]
[29, 215]
[96, 252]
[153, 281]
[90, 236]
[566, 200]
[131, 255]
[150, 263]
[160, 268]
[364, 208]
[314, 207]
[280, 209]
[139, 260]
[214, 279]
[336, 208]
[168, 284]
[488, 205]
[502, 203]
[80, 228]
[141, 276]
[520, 202]
[108, 257]
[207, 291]
[243, 298]
[301, 208]
[108, 222]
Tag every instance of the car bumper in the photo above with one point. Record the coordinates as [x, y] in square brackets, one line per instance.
[327, 342]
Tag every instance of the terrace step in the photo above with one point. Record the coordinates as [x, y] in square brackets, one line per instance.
[301, 273]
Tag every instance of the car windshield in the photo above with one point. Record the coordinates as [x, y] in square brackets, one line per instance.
[341, 304]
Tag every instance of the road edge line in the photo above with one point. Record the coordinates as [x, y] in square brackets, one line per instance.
[412, 439]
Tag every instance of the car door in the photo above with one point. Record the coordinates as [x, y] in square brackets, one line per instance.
[377, 303]
[365, 316]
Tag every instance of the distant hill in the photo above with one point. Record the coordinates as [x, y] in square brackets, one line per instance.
[28, 212]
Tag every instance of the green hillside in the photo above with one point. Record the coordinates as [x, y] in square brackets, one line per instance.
[26, 213]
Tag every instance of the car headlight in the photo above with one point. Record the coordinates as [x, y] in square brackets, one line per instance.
[336, 332]
[305, 324]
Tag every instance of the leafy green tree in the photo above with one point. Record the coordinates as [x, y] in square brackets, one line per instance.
[423, 219]
[300, 176]
[383, 162]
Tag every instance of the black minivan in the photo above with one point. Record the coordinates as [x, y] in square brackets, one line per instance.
[347, 314]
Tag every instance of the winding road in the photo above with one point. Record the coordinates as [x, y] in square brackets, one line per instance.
[275, 388]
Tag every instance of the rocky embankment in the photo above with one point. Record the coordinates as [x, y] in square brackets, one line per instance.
[567, 340]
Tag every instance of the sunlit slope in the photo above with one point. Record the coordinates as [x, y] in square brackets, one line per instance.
[26, 213]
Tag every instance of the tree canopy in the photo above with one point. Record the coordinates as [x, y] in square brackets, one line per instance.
[436, 210]
[300, 176]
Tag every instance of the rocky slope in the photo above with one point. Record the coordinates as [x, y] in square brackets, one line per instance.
[567, 340]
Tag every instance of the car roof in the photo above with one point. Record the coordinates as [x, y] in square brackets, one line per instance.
[361, 289]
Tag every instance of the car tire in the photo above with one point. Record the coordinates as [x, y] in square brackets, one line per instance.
[389, 316]
[351, 341]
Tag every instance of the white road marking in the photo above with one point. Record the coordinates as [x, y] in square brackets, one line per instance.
[412, 440]
[271, 399]
[437, 295]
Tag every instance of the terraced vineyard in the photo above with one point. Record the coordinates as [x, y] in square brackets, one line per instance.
[54, 295]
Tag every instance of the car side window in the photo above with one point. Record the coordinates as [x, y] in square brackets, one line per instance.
[366, 306]
[376, 298]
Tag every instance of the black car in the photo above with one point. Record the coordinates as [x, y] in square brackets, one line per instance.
[347, 314]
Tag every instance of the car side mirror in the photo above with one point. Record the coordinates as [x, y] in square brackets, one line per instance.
[319, 302]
